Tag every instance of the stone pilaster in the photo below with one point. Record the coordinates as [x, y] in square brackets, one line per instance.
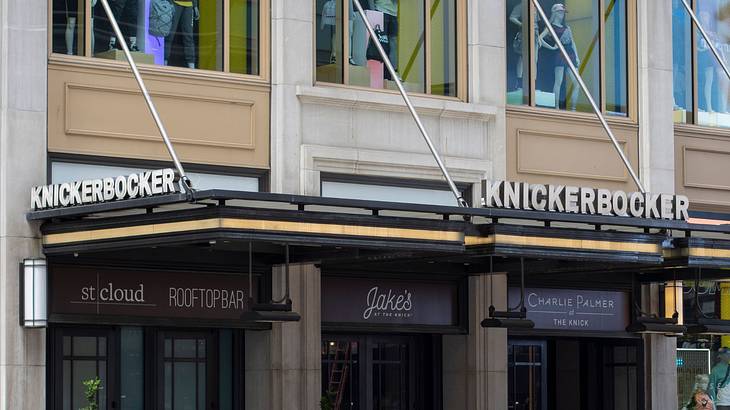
[656, 127]
[475, 365]
[296, 346]
[660, 358]
[23, 90]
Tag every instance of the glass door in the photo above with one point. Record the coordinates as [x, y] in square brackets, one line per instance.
[390, 380]
[187, 370]
[527, 371]
[380, 372]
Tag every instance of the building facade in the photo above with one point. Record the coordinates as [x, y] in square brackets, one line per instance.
[321, 260]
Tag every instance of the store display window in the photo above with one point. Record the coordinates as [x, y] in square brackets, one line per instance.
[595, 36]
[422, 47]
[181, 33]
[703, 360]
[704, 101]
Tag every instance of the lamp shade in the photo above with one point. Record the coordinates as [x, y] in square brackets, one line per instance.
[34, 291]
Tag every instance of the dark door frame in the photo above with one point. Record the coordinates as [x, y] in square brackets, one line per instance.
[416, 376]
[549, 356]
[54, 370]
[211, 362]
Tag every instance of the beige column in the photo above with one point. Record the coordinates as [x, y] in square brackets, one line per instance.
[295, 346]
[475, 365]
[660, 358]
[23, 71]
[656, 127]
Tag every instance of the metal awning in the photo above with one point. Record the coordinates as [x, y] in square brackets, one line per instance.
[330, 228]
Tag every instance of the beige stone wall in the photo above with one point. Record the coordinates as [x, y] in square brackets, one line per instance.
[22, 164]
[702, 158]
[95, 108]
[551, 147]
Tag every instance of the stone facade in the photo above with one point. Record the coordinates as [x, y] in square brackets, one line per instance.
[23, 48]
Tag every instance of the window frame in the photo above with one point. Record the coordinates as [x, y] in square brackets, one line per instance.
[84, 33]
[261, 174]
[693, 115]
[466, 188]
[461, 52]
[631, 66]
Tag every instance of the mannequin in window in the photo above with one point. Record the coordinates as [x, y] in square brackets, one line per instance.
[515, 17]
[186, 11]
[72, 12]
[125, 12]
[706, 60]
[329, 21]
[554, 57]
[389, 8]
[719, 387]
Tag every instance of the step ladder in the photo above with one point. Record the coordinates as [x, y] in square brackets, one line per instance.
[338, 372]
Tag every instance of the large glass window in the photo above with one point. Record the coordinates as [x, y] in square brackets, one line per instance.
[704, 101]
[421, 43]
[391, 189]
[220, 35]
[703, 359]
[62, 171]
[147, 368]
[594, 34]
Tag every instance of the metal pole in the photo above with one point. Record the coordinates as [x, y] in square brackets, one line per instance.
[706, 36]
[583, 86]
[394, 75]
[120, 38]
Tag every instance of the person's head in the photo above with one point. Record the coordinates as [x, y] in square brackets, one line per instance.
[702, 381]
[557, 13]
[723, 354]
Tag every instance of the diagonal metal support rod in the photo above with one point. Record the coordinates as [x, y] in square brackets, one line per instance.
[588, 95]
[706, 36]
[416, 117]
[170, 149]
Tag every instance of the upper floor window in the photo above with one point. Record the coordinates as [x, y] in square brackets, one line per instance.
[595, 34]
[419, 36]
[220, 35]
[700, 85]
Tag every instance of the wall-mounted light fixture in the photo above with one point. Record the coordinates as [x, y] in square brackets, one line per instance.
[33, 293]
[673, 302]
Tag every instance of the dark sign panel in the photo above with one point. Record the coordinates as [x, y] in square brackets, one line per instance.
[568, 309]
[165, 295]
[386, 301]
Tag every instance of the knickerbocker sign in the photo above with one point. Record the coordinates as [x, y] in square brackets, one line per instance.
[582, 200]
[91, 191]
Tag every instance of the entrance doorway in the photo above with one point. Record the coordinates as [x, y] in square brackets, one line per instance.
[573, 374]
[188, 370]
[146, 367]
[381, 372]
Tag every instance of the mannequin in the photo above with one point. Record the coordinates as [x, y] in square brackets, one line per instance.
[329, 20]
[515, 17]
[719, 387]
[389, 8]
[72, 11]
[555, 57]
[125, 12]
[700, 399]
[185, 12]
[705, 60]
